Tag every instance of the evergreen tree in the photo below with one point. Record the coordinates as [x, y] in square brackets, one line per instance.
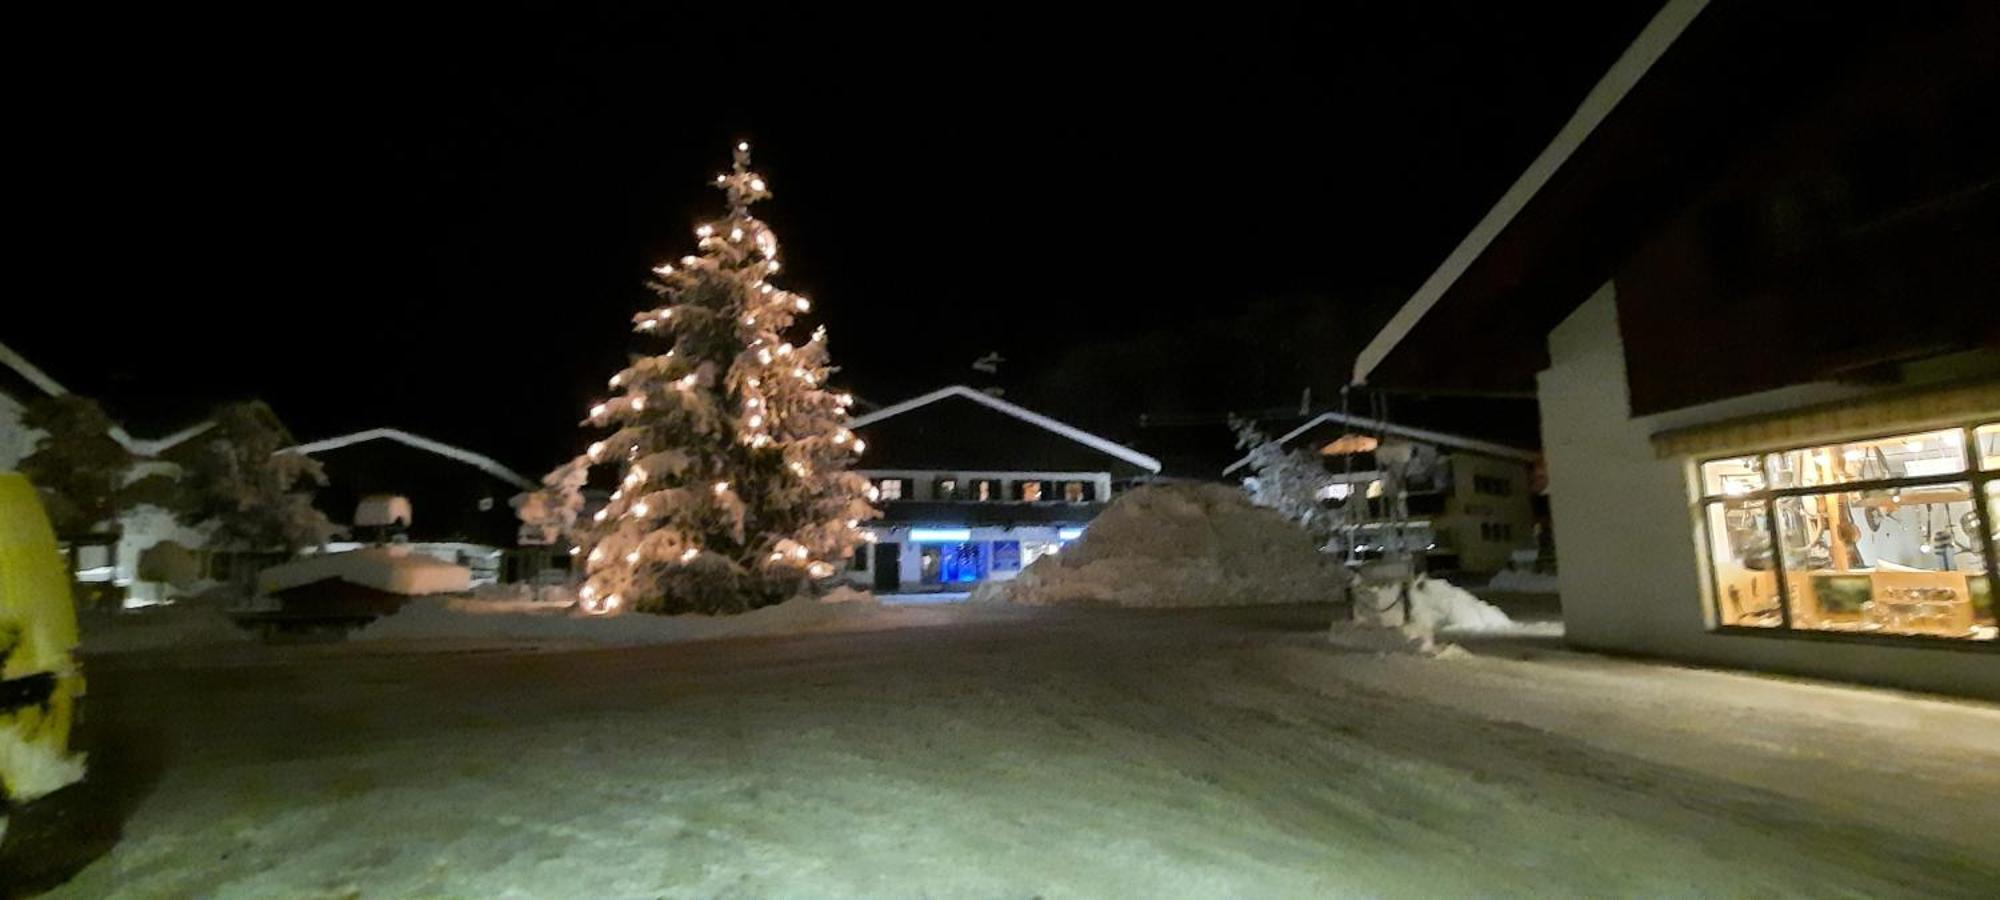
[1289, 481]
[249, 495]
[79, 469]
[731, 456]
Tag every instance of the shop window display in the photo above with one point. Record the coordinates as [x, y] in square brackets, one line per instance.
[1879, 536]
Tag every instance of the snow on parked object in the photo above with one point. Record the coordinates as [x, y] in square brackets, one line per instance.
[1524, 582]
[392, 569]
[467, 618]
[1179, 545]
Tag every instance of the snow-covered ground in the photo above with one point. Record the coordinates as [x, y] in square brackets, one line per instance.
[1063, 752]
[459, 619]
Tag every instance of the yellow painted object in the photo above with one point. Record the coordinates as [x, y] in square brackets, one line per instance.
[37, 636]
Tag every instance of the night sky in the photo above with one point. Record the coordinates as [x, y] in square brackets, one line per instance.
[441, 221]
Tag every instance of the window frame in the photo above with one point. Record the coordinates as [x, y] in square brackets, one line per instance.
[1974, 473]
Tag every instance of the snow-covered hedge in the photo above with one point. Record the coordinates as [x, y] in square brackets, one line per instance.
[1180, 545]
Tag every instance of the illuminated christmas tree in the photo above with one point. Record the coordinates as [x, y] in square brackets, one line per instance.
[732, 456]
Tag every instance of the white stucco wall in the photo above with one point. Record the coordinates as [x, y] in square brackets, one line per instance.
[16, 440]
[1627, 537]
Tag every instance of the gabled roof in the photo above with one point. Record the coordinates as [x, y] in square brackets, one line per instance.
[43, 382]
[1632, 65]
[477, 460]
[1416, 434]
[29, 373]
[1034, 418]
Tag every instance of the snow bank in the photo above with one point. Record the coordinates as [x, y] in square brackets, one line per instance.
[470, 618]
[1179, 545]
[1435, 605]
[392, 569]
[162, 627]
[1524, 582]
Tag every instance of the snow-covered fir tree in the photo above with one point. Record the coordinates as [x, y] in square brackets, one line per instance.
[731, 454]
[1289, 481]
[247, 494]
[77, 467]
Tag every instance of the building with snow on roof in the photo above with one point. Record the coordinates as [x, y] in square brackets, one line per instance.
[973, 488]
[1469, 505]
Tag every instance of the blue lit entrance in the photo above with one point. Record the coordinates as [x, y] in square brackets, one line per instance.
[958, 562]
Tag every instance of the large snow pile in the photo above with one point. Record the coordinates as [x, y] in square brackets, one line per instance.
[392, 569]
[1180, 545]
[163, 627]
[474, 619]
[1524, 582]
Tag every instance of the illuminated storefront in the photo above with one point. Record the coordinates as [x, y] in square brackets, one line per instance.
[1881, 536]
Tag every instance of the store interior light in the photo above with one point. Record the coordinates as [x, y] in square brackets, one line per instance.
[1069, 534]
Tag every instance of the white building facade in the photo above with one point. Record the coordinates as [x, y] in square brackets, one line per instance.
[974, 488]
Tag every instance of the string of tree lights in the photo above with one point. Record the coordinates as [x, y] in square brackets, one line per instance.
[731, 453]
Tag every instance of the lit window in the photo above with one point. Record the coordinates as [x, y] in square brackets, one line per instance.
[1073, 492]
[1878, 536]
[947, 489]
[1906, 456]
[983, 490]
[1031, 491]
[890, 488]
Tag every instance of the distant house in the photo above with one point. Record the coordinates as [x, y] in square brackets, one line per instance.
[1470, 502]
[110, 560]
[1754, 284]
[973, 488]
[458, 499]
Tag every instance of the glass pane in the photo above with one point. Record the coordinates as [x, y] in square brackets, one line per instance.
[1902, 456]
[1746, 586]
[1988, 437]
[1904, 561]
[1731, 477]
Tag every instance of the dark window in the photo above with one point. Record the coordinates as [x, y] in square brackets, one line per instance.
[1492, 485]
[860, 561]
[946, 489]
